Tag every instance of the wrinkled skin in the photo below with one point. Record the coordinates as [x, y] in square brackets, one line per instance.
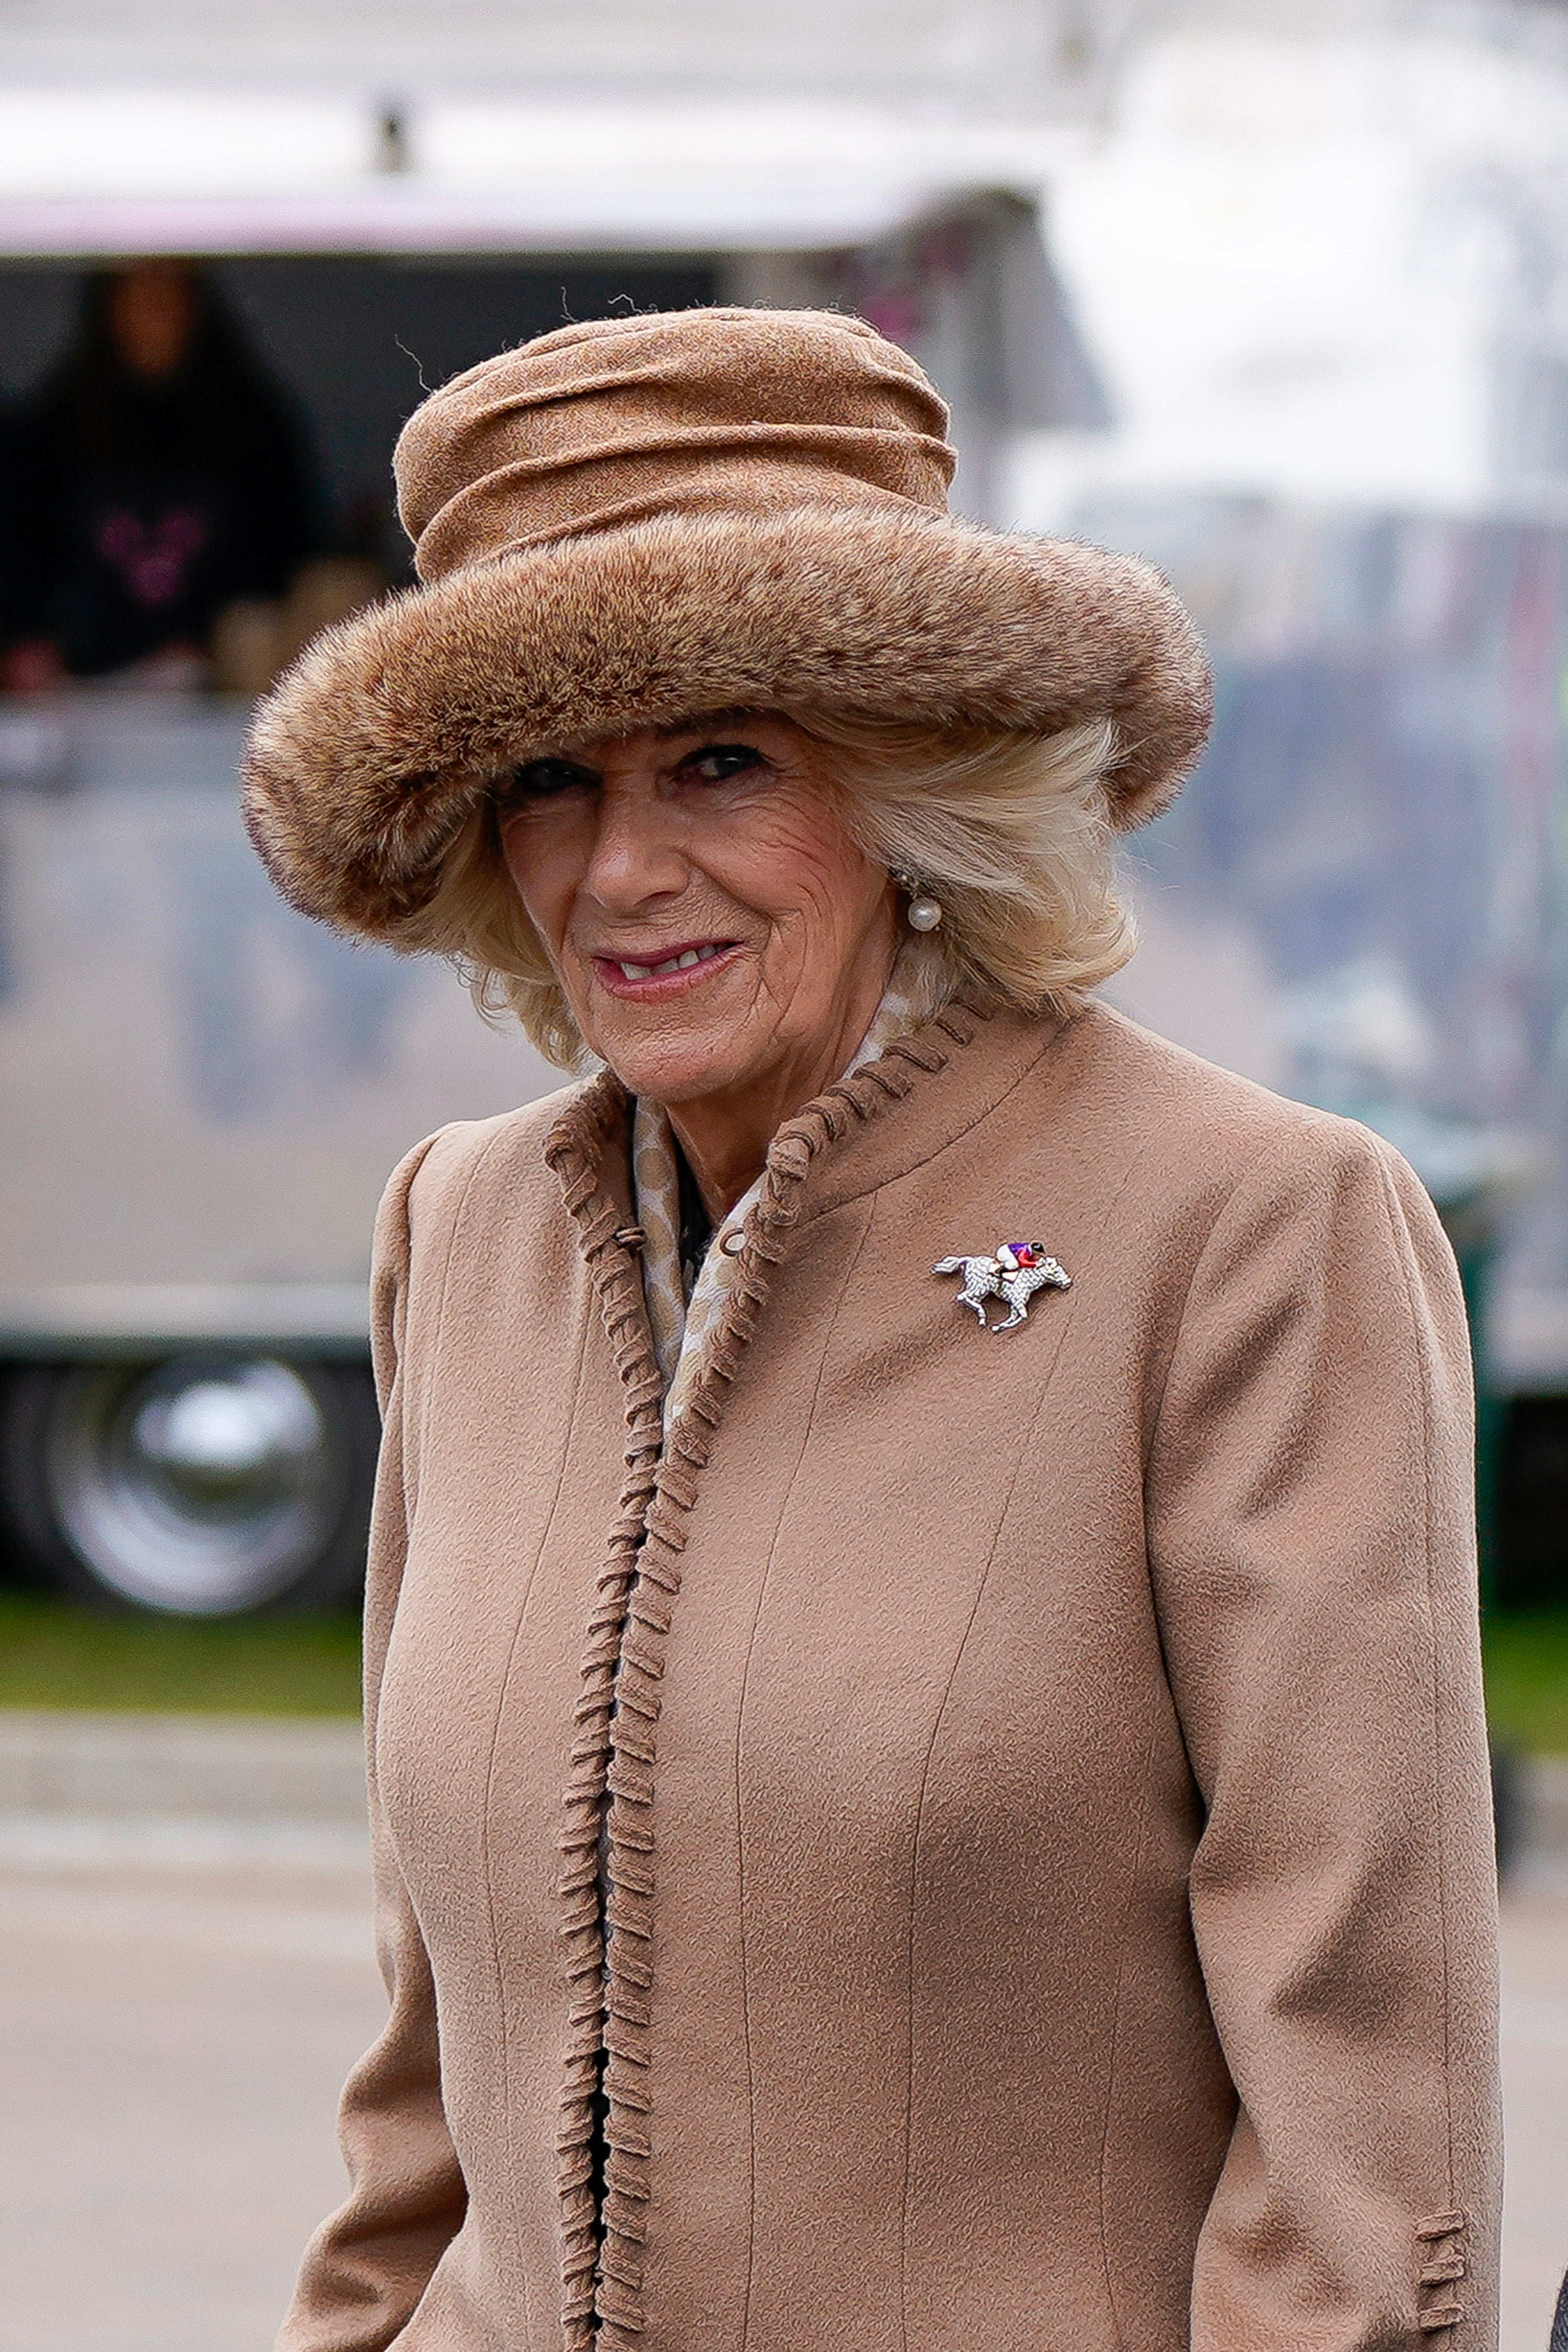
[720, 839]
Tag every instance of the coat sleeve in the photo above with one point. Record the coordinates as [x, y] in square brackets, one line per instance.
[367, 2267]
[1311, 1542]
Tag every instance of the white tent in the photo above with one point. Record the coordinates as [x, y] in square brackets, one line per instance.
[475, 126]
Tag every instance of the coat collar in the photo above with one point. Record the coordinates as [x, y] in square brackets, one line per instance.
[870, 1127]
[926, 1090]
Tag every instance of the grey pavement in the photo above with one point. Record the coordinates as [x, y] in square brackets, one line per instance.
[180, 1998]
[1535, 2097]
[239, 1769]
[173, 2032]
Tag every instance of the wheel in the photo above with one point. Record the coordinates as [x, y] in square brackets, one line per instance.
[200, 1484]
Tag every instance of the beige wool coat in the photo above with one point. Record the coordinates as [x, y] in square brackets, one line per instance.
[1047, 1832]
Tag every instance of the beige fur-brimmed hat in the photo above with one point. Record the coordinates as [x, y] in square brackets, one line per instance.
[635, 520]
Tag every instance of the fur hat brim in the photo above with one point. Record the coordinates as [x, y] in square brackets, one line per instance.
[364, 761]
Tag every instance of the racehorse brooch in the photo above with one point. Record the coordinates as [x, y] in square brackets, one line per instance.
[1018, 1271]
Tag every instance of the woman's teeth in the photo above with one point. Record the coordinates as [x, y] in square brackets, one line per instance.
[674, 963]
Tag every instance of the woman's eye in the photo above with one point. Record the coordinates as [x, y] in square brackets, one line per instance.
[540, 779]
[717, 763]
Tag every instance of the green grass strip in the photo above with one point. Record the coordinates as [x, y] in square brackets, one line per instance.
[55, 1655]
[1527, 1681]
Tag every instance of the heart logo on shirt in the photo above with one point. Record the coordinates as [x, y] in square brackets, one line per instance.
[154, 561]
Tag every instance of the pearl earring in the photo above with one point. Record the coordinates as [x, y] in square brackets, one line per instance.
[923, 912]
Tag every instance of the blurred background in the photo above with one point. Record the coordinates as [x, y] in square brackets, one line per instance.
[1274, 293]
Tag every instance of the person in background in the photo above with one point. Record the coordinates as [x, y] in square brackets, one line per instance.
[161, 484]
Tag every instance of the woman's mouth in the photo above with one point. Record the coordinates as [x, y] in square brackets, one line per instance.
[686, 965]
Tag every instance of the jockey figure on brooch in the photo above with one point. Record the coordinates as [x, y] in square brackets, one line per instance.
[1018, 1271]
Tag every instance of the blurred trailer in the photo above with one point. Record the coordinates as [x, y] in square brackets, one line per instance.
[201, 1094]
[1361, 899]
[1362, 896]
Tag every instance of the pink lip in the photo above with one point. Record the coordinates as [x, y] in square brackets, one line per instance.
[658, 986]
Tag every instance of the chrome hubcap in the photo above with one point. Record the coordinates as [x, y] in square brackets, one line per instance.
[203, 1486]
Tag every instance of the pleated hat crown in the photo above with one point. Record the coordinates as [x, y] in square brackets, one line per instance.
[695, 412]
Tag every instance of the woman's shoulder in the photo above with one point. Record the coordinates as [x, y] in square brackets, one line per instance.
[453, 1202]
[1220, 1172]
[430, 1184]
[1189, 1117]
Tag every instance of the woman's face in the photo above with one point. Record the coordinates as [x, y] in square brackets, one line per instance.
[708, 918]
[152, 316]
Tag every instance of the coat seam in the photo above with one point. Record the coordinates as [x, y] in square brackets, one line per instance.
[1151, 1442]
[910, 1941]
[459, 1210]
[1400, 1237]
[1115, 2043]
[490, 1795]
[1048, 1383]
[1200, 1260]
[740, 1715]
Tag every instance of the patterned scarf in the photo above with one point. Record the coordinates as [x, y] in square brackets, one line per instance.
[682, 1322]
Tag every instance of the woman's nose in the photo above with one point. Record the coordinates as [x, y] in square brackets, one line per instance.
[637, 852]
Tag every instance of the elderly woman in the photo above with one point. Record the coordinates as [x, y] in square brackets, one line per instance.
[883, 1841]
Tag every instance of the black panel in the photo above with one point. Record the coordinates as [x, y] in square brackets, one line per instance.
[1532, 1505]
[358, 340]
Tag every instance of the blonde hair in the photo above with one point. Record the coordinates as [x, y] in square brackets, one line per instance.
[1010, 832]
